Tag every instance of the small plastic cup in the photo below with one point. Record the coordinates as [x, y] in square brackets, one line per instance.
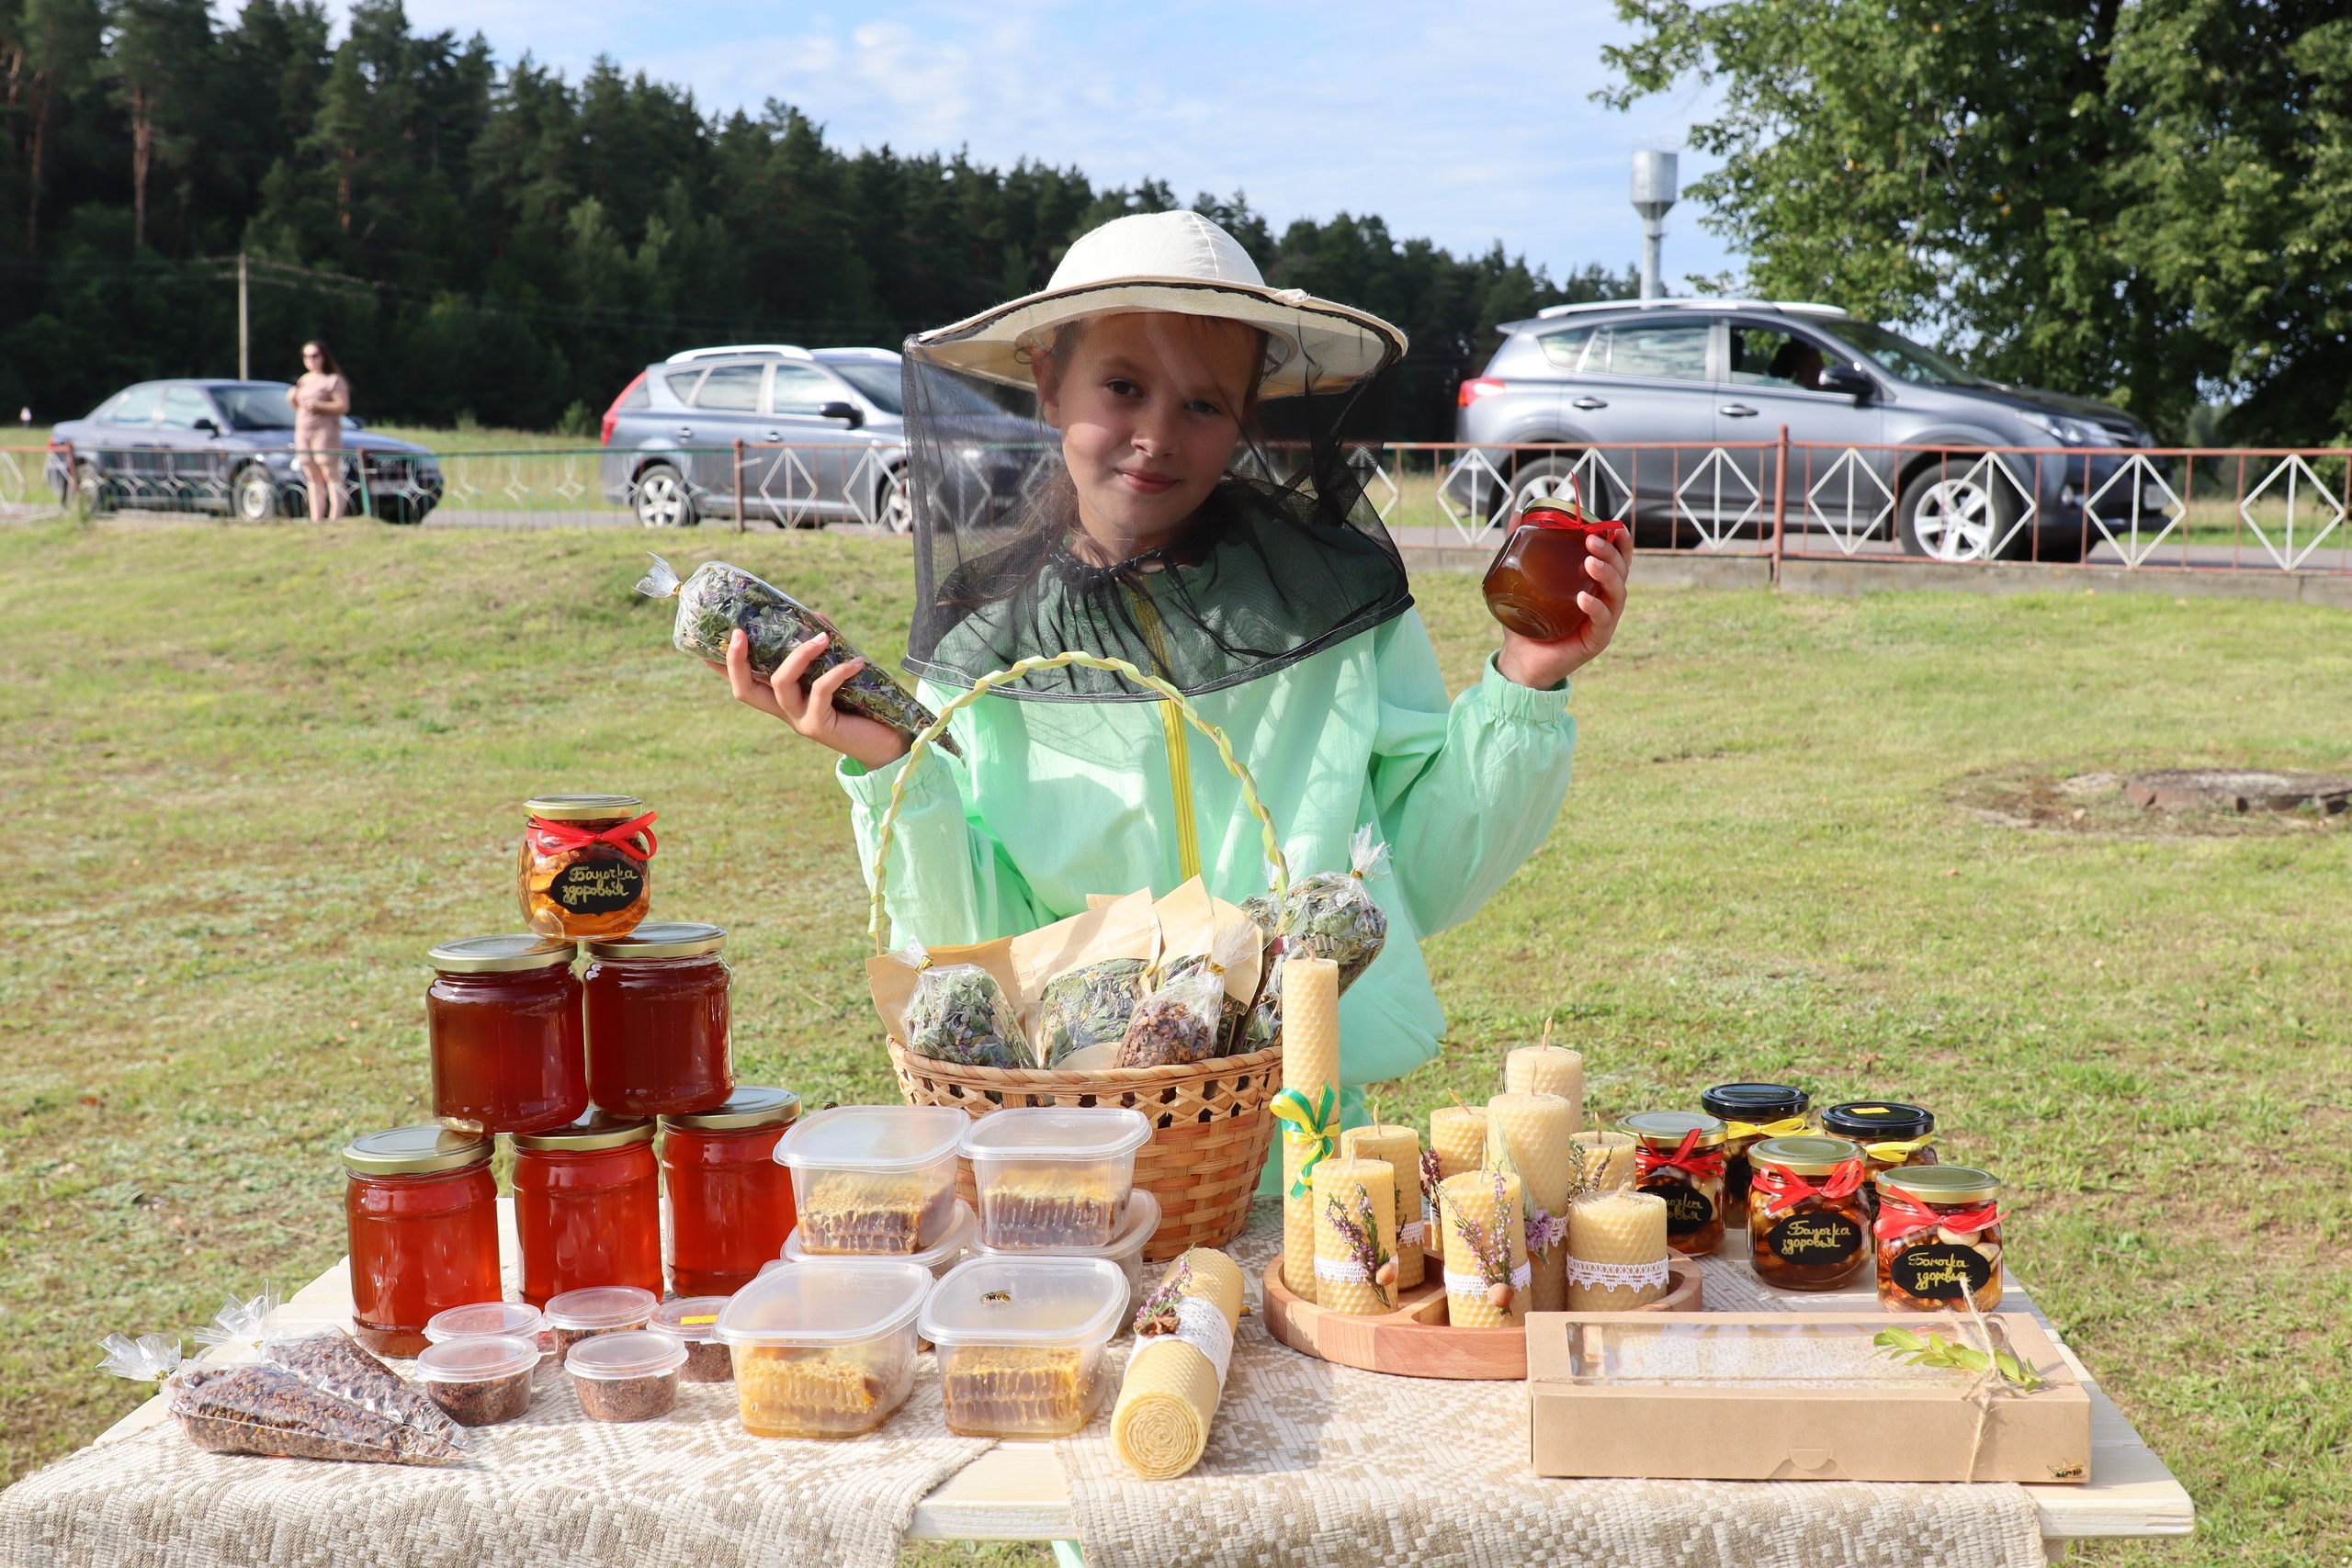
[873, 1181]
[824, 1347]
[1021, 1342]
[939, 1258]
[693, 1321]
[496, 1320]
[1126, 1249]
[578, 1315]
[480, 1381]
[1054, 1178]
[628, 1375]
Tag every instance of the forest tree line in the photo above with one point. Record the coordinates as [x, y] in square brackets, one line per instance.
[523, 243]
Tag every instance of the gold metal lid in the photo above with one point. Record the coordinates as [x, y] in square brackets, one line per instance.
[1941, 1183]
[750, 1105]
[1669, 1128]
[597, 1130]
[582, 807]
[419, 1150]
[659, 939]
[500, 954]
[1800, 1155]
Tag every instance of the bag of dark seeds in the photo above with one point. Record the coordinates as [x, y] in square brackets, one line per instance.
[1183, 1020]
[958, 1013]
[1331, 916]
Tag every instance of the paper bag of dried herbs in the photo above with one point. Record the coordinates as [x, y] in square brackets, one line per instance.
[1088, 973]
[958, 1013]
[1183, 1020]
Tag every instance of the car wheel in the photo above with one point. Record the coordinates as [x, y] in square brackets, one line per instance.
[1550, 479]
[91, 491]
[253, 494]
[893, 508]
[662, 498]
[1947, 516]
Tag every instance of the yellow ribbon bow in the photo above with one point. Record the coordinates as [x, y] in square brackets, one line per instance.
[1309, 1120]
[1786, 1126]
[1897, 1153]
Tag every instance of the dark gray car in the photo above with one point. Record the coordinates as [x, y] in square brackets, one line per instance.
[1595, 380]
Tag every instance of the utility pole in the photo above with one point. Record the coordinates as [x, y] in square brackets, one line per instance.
[1654, 190]
[244, 325]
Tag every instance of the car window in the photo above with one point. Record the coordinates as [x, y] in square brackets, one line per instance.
[1770, 356]
[255, 406]
[875, 380]
[681, 384]
[1566, 349]
[731, 388]
[1893, 352]
[183, 406]
[638, 396]
[139, 405]
[1673, 350]
[804, 389]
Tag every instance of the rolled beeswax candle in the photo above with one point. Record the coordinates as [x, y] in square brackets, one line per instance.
[1310, 1066]
[1474, 1267]
[1298, 1219]
[1539, 1132]
[1160, 1424]
[1458, 1134]
[1365, 1194]
[1608, 1159]
[1401, 1147]
[1617, 1252]
[1547, 1069]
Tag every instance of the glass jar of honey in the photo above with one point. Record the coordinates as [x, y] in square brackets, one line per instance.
[1533, 583]
[422, 1208]
[1892, 1134]
[585, 870]
[730, 1203]
[1749, 1111]
[1678, 1157]
[502, 1026]
[588, 1207]
[1938, 1238]
[657, 1020]
[1808, 1228]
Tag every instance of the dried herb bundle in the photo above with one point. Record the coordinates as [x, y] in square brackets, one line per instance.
[1157, 1314]
[1331, 916]
[1183, 1020]
[1357, 1226]
[1091, 1006]
[960, 1014]
[1490, 1245]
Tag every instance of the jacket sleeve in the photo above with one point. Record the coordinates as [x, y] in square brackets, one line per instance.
[1465, 792]
[950, 881]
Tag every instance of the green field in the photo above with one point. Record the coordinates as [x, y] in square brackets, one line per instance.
[256, 772]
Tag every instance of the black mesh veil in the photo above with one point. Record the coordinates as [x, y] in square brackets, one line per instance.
[1285, 557]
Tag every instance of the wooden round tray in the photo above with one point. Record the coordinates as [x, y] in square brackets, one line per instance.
[1406, 1343]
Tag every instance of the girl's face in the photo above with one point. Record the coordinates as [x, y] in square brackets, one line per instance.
[1149, 405]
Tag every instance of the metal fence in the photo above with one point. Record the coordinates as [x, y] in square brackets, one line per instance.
[2215, 509]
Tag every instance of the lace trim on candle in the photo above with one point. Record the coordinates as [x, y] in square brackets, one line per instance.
[1342, 1271]
[1478, 1285]
[1200, 1324]
[1411, 1233]
[1632, 1276]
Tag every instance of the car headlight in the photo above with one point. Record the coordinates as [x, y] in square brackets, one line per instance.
[2070, 431]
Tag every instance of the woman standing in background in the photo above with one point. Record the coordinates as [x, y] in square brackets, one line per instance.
[320, 398]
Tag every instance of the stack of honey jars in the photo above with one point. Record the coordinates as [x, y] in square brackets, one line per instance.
[584, 1042]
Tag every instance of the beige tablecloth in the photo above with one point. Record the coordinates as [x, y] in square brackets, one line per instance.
[1311, 1465]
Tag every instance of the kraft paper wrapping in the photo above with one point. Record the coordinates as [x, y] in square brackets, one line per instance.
[1354, 1184]
[1624, 1235]
[1310, 1065]
[1159, 1427]
[1539, 1131]
[1471, 1196]
[1458, 1134]
[1401, 1147]
[1547, 1069]
[1608, 1160]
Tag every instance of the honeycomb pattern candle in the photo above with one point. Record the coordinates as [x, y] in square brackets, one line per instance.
[1547, 1069]
[1485, 1250]
[1310, 1066]
[1401, 1147]
[1617, 1252]
[1355, 1236]
[1539, 1130]
[1608, 1159]
[1458, 1134]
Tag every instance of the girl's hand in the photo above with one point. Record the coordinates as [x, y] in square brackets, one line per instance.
[1544, 665]
[811, 713]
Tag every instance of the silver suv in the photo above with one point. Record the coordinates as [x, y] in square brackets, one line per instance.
[1596, 379]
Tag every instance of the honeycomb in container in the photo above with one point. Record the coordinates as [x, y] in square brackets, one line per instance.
[804, 1394]
[863, 1212]
[1010, 1391]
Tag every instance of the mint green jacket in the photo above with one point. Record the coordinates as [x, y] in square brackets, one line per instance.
[1057, 800]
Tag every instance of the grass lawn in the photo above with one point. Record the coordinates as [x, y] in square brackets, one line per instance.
[256, 772]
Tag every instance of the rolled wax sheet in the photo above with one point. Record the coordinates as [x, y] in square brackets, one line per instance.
[1161, 1425]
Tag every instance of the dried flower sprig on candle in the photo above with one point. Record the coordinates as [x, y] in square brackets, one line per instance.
[1490, 1245]
[1433, 1172]
[1157, 1314]
[1357, 1227]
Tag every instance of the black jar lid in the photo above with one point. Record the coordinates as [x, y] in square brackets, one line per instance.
[1878, 1121]
[1754, 1101]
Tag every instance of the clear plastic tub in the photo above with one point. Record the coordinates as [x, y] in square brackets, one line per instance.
[1051, 1178]
[824, 1348]
[628, 1376]
[947, 1252]
[873, 1181]
[480, 1381]
[1021, 1342]
[496, 1320]
[578, 1315]
[693, 1321]
[1126, 1249]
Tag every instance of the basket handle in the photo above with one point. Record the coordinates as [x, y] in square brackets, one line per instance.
[987, 683]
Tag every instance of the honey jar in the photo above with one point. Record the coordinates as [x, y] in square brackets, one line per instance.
[1678, 1157]
[1533, 583]
[1807, 1226]
[1749, 1111]
[585, 868]
[1893, 1134]
[1938, 1238]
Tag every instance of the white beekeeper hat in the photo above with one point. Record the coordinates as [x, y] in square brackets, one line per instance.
[1184, 263]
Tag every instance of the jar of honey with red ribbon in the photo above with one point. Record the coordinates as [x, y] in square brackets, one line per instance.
[1808, 1228]
[1678, 1157]
[504, 1029]
[658, 1020]
[1533, 583]
[1751, 1111]
[422, 1208]
[1938, 1238]
[585, 870]
[730, 1203]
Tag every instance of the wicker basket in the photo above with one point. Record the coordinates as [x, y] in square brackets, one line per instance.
[1211, 1121]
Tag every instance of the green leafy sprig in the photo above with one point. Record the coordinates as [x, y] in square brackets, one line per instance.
[1934, 1351]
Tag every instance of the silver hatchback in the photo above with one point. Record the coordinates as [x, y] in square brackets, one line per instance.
[1599, 383]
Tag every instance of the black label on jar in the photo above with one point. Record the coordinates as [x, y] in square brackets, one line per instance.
[596, 886]
[1940, 1271]
[1815, 1241]
[1687, 1209]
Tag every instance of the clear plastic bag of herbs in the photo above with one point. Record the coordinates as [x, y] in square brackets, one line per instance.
[958, 1013]
[1089, 1005]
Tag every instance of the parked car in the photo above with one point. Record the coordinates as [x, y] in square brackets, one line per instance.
[1596, 378]
[824, 440]
[225, 446]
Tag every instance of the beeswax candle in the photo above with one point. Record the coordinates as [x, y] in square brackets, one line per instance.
[1617, 1252]
[1401, 1147]
[1161, 1425]
[1298, 1219]
[1538, 1130]
[1481, 1267]
[1608, 1159]
[1363, 1193]
[1547, 1069]
[1458, 1134]
[1310, 1066]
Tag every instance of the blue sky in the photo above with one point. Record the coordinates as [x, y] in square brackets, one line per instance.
[1466, 123]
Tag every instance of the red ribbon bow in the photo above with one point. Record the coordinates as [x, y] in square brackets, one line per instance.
[548, 838]
[1784, 1190]
[1703, 1167]
[1899, 1216]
